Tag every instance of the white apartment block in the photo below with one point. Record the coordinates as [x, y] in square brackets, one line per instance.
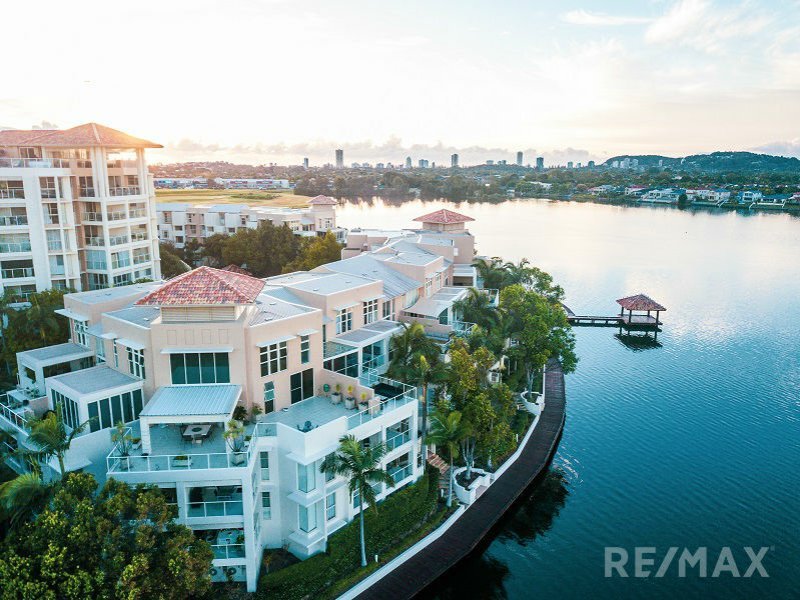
[178, 222]
[708, 195]
[77, 210]
[172, 361]
[662, 196]
[234, 184]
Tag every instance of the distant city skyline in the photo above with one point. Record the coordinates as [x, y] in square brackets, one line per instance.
[567, 81]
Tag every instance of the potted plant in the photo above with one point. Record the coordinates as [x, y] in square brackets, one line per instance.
[136, 443]
[326, 390]
[239, 413]
[349, 402]
[336, 396]
[182, 460]
[122, 438]
[255, 411]
[363, 404]
[234, 436]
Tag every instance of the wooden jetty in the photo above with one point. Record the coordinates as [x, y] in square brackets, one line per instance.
[481, 518]
[639, 316]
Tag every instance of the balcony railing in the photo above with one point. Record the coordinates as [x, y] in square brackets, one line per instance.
[97, 265]
[34, 163]
[129, 190]
[137, 260]
[86, 192]
[117, 215]
[15, 247]
[8, 411]
[400, 473]
[384, 406]
[463, 328]
[13, 220]
[138, 236]
[12, 193]
[174, 462]
[95, 241]
[54, 245]
[397, 439]
[118, 240]
[219, 508]
[17, 273]
[119, 264]
[228, 550]
[96, 217]
[137, 213]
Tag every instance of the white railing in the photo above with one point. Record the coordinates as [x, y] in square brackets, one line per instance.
[95, 241]
[400, 473]
[13, 220]
[54, 245]
[32, 163]
[117, 215]
[115, 463]
[384, 406]
[86, 192]
[137, 213]
[397, 440]
[129, 190]
[12, 193]
[98, 265]
[16, 247]
[118, 240]
[17, 273]
[93, 216]
[137, 260]
[463, 328]
[218, 508]
[228, 550]
[10, 415]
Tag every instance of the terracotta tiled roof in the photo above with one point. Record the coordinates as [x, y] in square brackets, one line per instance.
[323, 200]
[237, 269]
[206, 286]
[82, 136]
[639, 302]
[444, 217]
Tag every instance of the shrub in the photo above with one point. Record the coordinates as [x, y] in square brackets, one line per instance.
[399, 516]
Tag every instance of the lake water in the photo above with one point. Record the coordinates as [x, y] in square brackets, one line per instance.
[695, 442]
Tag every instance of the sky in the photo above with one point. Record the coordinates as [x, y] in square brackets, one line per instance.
[261, 81]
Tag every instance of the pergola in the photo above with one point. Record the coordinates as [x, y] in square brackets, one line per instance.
[643, 304]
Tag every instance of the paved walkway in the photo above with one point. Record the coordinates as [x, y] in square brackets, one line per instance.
[465, 535]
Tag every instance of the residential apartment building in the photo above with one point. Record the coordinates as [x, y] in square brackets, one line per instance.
[717, 196]
[178, 223]
[173, 361]
[77, 210]
[662, 196]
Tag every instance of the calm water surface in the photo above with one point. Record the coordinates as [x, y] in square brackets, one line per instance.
[692, 443]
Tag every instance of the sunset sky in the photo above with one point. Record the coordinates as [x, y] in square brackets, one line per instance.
[272, 81]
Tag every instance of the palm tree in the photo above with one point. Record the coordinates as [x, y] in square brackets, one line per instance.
[407, 347]
[51, 437]
[492, 272]
[361, 466]
[42, 320]
[518, 273]
[476, 307]
[447, 431]
[24, 495]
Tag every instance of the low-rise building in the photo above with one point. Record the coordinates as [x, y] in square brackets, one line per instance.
[179, 222]
[662, 196]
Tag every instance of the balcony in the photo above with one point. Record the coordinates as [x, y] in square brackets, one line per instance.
[12, 193]
[138, 236]
[86, 192]
[95, 217]
[96, 265]
[15, 247]
[400, 473]
[118, 240]
[228, 550]
[214, 501]
[13, 411]
[95, 241]
[129, 190]
[34, 163]
[54, 245]
[137, 213]
[138, 260]
[17, 273]
[117, 215]
[13, 220]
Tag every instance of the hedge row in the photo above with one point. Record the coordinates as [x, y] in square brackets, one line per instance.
[397, 517]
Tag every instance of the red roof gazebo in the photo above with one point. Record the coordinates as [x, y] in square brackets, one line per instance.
[643, 304]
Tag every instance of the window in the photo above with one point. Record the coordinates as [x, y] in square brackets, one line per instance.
[100, 350]
[273, 358]
[306, 477]
[329, 475]
[370, 311]
[305, 349]
[428, 285]
[264, 458]
[116, 354]
[123, 279]
[48, 187]
[266, 505]
[387, 309]
[200, 367]
[302, 385]
[346, 364]
[81, 337]
[344, 321]
[330, 507]
[307, 518]
[69, 409]
[86, 186]
[136, 363]
[269, 397]
[107, 412]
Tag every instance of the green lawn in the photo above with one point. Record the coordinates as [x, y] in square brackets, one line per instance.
[254, 197]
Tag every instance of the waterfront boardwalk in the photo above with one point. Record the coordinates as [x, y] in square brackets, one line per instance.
[639, 303]
[467, 533]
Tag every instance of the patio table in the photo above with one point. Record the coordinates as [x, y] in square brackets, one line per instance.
[196, 431]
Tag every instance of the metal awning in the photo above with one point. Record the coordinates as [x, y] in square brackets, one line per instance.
[279, 340]
[195, 350]
[430, 307]
[65, 312]
[130, 344]
[217, 400]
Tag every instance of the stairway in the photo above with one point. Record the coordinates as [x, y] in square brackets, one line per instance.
[438, 463]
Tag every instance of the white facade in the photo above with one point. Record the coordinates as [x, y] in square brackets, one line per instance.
[79, 217]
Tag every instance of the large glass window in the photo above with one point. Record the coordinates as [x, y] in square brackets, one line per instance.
[370, 311]
[136, 363]
[264, 458]
[302, 385]
[305, 349]
[266, 505]
[346, 364]
[330, 507]
[344, 321]
[387, 309]
[108, 412]
[200, 367]
[307, 477]
[307, 518]
[69, 409]
[273, 358]
[80, 335]
[269, 397]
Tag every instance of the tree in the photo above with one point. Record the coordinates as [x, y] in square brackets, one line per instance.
[192, 252]
[24, 496]
[120, 543]
[314, 252]
[213, 249]
[172, 264]
[51, 437]
[491, 271]
[447, 432]
[539, 327]
[361, 467]
[476, 307]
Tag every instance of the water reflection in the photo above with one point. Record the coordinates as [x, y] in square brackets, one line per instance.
[639, 341]
[482, 575]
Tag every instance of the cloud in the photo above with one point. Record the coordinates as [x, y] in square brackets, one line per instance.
[789, 148]
[705, 26]
[591, 19]
[392, 150]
